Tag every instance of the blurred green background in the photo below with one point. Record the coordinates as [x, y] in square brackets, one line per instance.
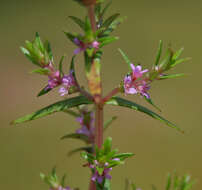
[30, 148]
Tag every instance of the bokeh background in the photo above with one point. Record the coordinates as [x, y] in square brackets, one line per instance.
[27, 149]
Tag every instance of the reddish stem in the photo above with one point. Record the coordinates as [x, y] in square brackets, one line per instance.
[99, 125]
[91, 14]
[97, 99]
[110, 95]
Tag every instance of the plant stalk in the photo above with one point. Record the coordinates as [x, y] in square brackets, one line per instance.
[97, 99]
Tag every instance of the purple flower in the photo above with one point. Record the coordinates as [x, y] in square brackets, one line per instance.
[137, 71]
[133, 84]
[83, 46]
[104, 175]
[54, 79]
[86, 120]
[68, 81]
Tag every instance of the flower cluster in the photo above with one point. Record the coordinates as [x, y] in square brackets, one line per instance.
[100, 171]
[83, 46]
[86, 120]
[134, 83]
[56, 79]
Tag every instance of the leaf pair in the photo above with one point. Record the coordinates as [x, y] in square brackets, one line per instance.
[81, 100]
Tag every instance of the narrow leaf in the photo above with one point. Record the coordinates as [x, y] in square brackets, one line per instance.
[39, 43]
[41, 71]
[125, 57]
[56, 107]
[76, 136]
[88, 149]
[117, 101]
[44, 91]
[180, 61]
[105, 9]
[177, 54]
[123, 156]
[149, 100]
[108, 40]
[78, 21]
[28, 55]
[169, 180]
[159, 52]
[72, 68]
[109, 122]
[110, 20]
[60, 65]
[49, 50]
[171, 76]
[70, 36]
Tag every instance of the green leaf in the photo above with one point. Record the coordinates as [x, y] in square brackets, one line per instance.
[39, 43]
[44, 91]
[110, 20]
[180, 61]
[78, 21]
[53, 174]
[28, 55]
[107, 145]
[72, 68]
[56, 107]
[87, 149]
[107, 40]
[159, 52]
[109, 122]
[60, 65]
[177, 54]
[76, 136]
[171, 76]
[49, 50]
[117, 101]
[89, 36]
[149, 100]
[41, 71]
[123, 156]
[125, 57]
[63, 181]
[105, 9]
[112, 27]
[169, 180]
[167, 60]
[70, 36]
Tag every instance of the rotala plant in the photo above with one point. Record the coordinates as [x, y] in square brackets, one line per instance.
[87, 106]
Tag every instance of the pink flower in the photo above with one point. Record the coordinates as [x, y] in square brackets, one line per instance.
[137, 71]
[54, 80]
[83, 46]
[133, 84]
[68, 81]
